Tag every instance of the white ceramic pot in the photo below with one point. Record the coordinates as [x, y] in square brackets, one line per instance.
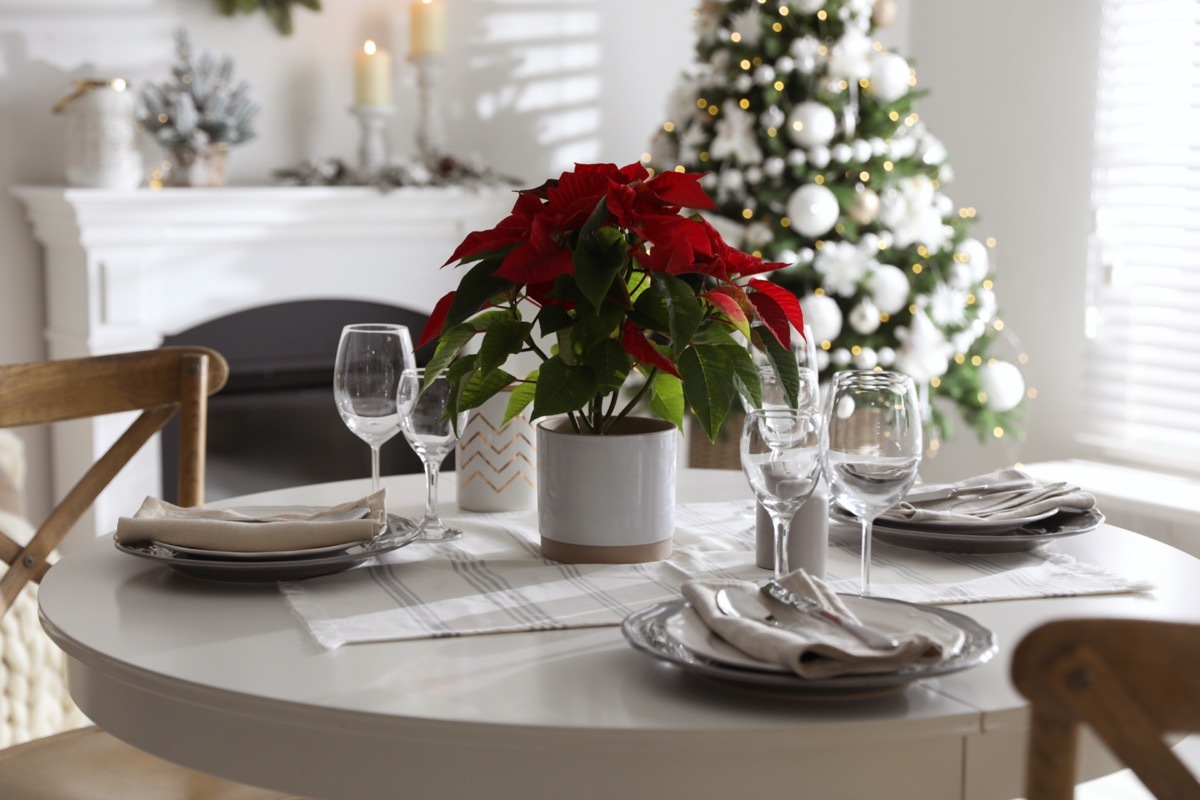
[607, 499]
[495, 463]
[101, 136]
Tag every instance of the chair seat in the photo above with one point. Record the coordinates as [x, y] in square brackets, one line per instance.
[89, 764]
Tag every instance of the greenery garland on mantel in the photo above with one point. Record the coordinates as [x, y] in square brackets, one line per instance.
[280, 11]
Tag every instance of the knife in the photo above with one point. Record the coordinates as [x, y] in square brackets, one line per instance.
[978, 490]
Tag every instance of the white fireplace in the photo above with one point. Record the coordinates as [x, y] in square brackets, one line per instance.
[123, 269]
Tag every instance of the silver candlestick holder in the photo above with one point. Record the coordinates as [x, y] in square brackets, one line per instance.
[431, 132]
[372, 144]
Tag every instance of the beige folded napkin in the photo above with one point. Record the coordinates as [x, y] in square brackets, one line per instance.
[1038, 498]
[811, 646]
[277, 529]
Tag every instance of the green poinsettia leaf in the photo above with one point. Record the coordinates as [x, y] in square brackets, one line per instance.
[449, 345]
[522, 396]
[598, 259]
[746, 378]
[476, 288]
[552, 319]
[684, 309]
[651, 312]
[504, 337]
[708, 385]
[458, 372]
[481, 385]
[783, 361]
[562, 388]
[666, 399]
[610, 363]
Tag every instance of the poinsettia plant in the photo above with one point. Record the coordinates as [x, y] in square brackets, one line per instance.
[603, 277]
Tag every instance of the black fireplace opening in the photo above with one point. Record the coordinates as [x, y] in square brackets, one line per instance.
[275, 425]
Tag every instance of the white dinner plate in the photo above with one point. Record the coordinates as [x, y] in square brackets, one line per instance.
[263, 555]
[690, 630]
[1027, 537]
[400, 532]
[647, 631]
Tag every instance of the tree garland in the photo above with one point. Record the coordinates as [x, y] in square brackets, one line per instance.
[279, 11]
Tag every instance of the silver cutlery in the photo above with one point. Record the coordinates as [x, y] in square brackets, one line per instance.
[979, 490]
[728, 604]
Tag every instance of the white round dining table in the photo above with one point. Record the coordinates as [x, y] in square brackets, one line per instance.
[222, 678]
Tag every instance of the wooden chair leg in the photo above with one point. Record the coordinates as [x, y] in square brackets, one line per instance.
[1052, 747]
[193, 427]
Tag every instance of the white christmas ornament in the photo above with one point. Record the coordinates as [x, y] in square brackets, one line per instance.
[862, 150]
[889, 288]
[818, 156]
[887, 356]
[785, 64]
[807, 6]
[866, 359]
[850, 57]
[774, 166]
[842, 266]
[889, 77]
[773, 117]
[813, 210]
[976, 255]
[764, 74]
[841, 357]
[736, 136]
[1003, 384]
[865, 207]
[797, 158]
[924, 352]
[864, 318]
[823, 315]
[841, 152]
[811, 123]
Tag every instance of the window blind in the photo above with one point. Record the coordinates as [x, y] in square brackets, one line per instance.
[1142, 377]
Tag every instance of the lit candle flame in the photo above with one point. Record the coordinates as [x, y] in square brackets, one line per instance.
[369, 47]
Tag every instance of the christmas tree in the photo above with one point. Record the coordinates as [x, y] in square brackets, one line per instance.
[816, 158]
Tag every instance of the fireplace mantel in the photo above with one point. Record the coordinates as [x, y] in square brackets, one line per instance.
[123, 269]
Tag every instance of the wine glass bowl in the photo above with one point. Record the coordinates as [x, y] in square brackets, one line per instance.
[366, 375]
[431, 430]
[781, 461]
[871, 440]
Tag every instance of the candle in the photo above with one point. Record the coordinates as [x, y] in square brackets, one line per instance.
[372, 76]
[427, 28]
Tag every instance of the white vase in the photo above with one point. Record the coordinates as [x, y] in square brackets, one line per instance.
[101, 136]
[494, 462]
[607, 499]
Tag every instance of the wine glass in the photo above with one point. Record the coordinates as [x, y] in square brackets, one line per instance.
[431, 430]
[870, 447]
[780, 450]
[775, 374]
[366, 375]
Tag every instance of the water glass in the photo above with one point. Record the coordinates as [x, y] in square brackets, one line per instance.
[870, 447]
[366, 376]
[780, 458]
[431, 429]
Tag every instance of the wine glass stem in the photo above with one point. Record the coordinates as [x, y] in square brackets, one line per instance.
[374, 469]
[431, 479]
[865, 569]
[782, 523]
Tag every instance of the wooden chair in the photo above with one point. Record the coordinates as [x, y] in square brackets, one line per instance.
[88, 763]
[1131, 681]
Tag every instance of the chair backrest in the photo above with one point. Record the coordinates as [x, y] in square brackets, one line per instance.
[1131, 681]
[158, 383]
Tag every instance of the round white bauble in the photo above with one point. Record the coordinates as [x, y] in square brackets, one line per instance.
[865, 207]
[960, 276]
[813, 210]
[866, 359]
[1003, 384]
[976, 254]
[764, 74]
[878, 146]
[807, 6]
[805, 256]
[822, 360]
[823, 315]
[811, 123]
[889, 288]
[772, 117]
[884, 13]
[841, 152]
[943, 204]
[797, 158]
[788, 257]
[785, 64]
[886, 239]
[753, 174]
[862, 150]
[887, 356]
[889, 77]
[841, 357]
[743, 83]
[864, 317]
[773, 167]
[709, 181]
[818, 156]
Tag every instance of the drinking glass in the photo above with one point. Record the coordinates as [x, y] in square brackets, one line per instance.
[431, 430]
[781, 460]
[870, 447]
[366, 376]
[772, 383]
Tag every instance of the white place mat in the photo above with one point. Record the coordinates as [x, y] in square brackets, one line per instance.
[494, 579]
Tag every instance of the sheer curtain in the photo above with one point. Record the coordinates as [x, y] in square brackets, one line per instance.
[1143, 320]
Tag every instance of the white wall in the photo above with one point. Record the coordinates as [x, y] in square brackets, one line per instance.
[534, 86]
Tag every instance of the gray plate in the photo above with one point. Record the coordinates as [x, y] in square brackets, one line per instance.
[400, 532]
[647, 631]
[1026, 537]
[976, 527]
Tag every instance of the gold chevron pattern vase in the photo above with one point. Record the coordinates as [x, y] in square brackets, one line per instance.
[495, 463]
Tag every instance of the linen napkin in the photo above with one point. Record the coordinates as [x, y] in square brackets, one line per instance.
[809, 645]
[1037, 498]
[280, 528]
